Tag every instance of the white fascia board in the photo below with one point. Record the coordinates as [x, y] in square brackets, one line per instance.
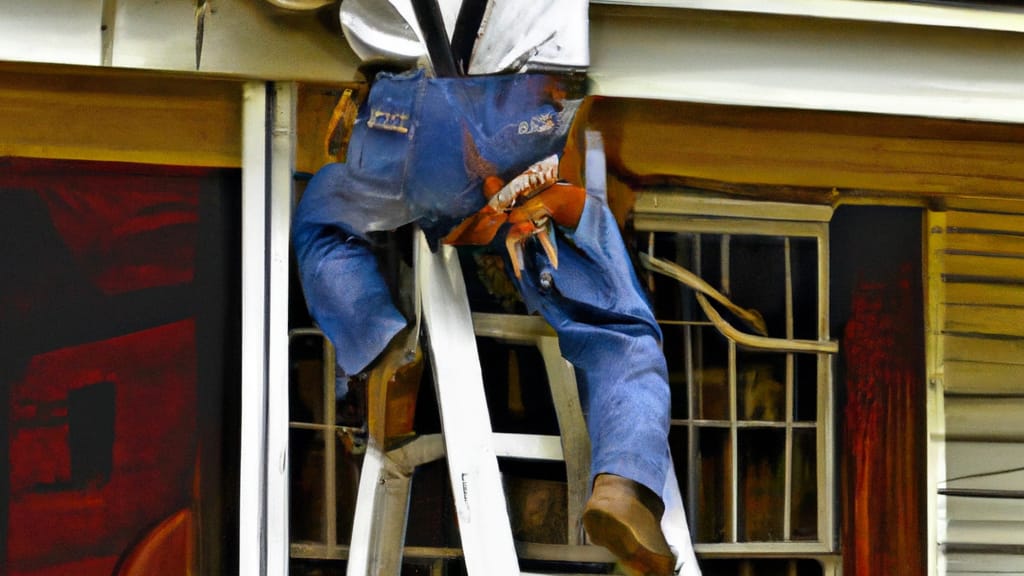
[807, 63]
[997, 18]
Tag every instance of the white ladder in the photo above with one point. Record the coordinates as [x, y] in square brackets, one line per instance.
[472, 448]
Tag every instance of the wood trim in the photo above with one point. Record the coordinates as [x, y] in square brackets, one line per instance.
[808, 153]
[977, 349]
[855, 10]
[975, 378]
[89, 114]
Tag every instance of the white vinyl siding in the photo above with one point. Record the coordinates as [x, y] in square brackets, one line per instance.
[977, 283]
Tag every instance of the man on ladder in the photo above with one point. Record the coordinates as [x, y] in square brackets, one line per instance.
[472, 149]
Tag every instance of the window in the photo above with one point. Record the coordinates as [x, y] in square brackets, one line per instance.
[324, 454]
[751, 431]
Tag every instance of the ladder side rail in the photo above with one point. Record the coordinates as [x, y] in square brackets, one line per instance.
[472, 463]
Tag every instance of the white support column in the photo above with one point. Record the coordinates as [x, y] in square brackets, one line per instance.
[279, 207]
[251, 512]
[267, 141]
[934, 258]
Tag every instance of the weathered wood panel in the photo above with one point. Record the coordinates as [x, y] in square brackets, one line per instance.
[993, 294]
[988, 222]
[315, 106]
[999, 270]
[993, 244]
[822, 150]
[975, 532]
[990, 350]
[965, 377]
[978, 564]
[984, 419]
[883, 427]
[982, 316]
[77, 114]
[1006, 205]
[985, 319]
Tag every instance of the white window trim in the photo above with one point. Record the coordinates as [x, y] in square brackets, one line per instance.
[976, 18]
[677, 212]
[809, 62]
[268, 145]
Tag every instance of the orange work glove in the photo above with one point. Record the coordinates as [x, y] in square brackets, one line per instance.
[528, 203]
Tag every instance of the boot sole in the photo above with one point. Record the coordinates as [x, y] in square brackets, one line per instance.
[608, 531]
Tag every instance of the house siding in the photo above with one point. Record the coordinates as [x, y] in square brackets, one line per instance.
[978, 315]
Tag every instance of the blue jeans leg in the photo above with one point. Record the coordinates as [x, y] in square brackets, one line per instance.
[607, 331]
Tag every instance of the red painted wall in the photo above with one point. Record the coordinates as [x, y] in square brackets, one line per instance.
[883, 425]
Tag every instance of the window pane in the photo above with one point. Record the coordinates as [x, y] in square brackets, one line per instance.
[347, 466]
[713, 484]
[304, 567]
[678, 441]
[805, 487]
[710, 261]
[676, 342]
[761, 386]
[306, 380]
[804, 263]
[431, 508]
[537, 509]
[670, 298]
[805, 388]
[307, 485]
[757, 270]
[674, 305]
[760, 567]
[516, 385]
[711, 375]
[762, 484]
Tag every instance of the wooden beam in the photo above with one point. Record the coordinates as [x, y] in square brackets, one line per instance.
[806, 154]
[88, 114]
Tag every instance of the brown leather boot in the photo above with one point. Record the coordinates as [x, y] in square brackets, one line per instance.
[625, 517]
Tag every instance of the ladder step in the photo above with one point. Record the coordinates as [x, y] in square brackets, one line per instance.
[528, 446]
[511, 326]
[564, 553]
[429, 447]
[560, 573]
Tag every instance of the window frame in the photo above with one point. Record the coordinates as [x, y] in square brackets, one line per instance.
[686, 211]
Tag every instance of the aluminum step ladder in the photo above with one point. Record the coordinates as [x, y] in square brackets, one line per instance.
[472, 448]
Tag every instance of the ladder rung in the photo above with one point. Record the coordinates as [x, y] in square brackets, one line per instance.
[528, 446]
[511, 326]
[564, 553]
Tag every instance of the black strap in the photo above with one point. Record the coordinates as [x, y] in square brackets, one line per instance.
[467, 27]
[428, 14]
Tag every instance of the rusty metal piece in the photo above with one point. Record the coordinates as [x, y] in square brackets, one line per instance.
[339, 129]
[202, 10]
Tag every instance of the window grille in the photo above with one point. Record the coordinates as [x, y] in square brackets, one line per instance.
[321, 462]
[751, 427]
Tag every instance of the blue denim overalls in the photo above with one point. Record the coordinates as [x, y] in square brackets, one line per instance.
[419, 152]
